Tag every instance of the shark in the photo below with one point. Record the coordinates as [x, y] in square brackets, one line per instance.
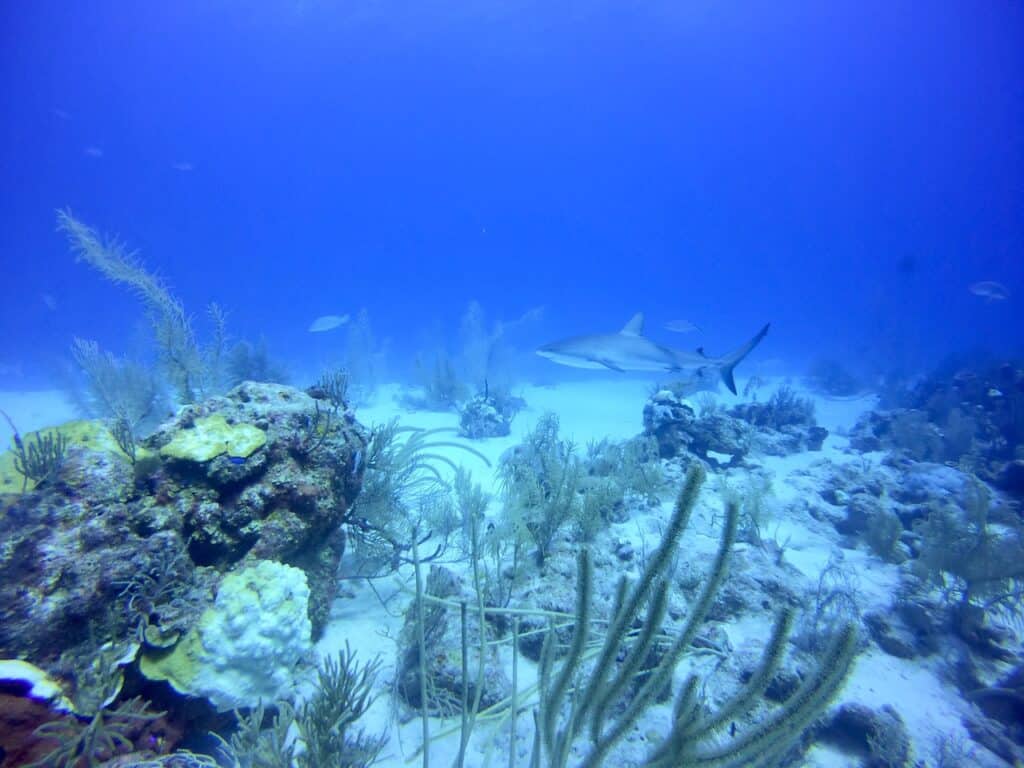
[629, 350]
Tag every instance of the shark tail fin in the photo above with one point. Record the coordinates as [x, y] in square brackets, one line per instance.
[731, 361]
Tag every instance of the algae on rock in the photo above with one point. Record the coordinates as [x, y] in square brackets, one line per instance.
[211, 437]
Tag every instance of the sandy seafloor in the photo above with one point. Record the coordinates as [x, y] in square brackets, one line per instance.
[612, 408]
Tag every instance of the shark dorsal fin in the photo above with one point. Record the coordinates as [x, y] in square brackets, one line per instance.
[635, 326]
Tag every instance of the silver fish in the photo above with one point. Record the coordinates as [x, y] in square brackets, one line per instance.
[327, 323]
[681, 326]
[990, 290]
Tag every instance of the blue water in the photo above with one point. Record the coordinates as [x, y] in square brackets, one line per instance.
[844, 170]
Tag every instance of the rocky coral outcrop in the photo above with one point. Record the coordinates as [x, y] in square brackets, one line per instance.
[966, 416]
[783, 425]
[879, 736]
[133, 552]
[482, 417]
[714, 437]
[442, 633]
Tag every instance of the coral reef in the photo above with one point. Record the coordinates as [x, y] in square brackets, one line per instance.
[480, 418]
[212, 436]
[578, 698]
[970, 416]
[131, 553]
[784, 424]
[959, 547]
[245, 647]
[714, 437]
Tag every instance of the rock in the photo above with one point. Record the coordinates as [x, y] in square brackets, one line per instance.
[879, 736]
[1004, 702]
[860, 509]
[665, 418]
[1011, 477]
[816, 438]
[783, 425]
[782, 685]
[781, 443]
[717, 438]
[842, 483]
[992, 735]
[624, 551]
[893, 638]
[482, 417]
[112, 549]
[925, 482]
[442, 631]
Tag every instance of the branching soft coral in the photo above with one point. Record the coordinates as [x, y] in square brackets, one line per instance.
[191, 370]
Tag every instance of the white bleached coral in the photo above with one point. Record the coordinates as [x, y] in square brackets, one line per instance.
[246, 646]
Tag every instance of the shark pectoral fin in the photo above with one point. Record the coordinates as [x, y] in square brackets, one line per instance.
[635, 326]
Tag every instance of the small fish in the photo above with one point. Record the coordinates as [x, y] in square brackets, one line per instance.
[236, 459]
[327, 323]
[183, 167]
[93, 152]
[61, 114]
[990, 290]
[49, 301]
[681, 326]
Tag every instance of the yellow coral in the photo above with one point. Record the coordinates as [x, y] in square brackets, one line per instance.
[91, 434]
[212, 436]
